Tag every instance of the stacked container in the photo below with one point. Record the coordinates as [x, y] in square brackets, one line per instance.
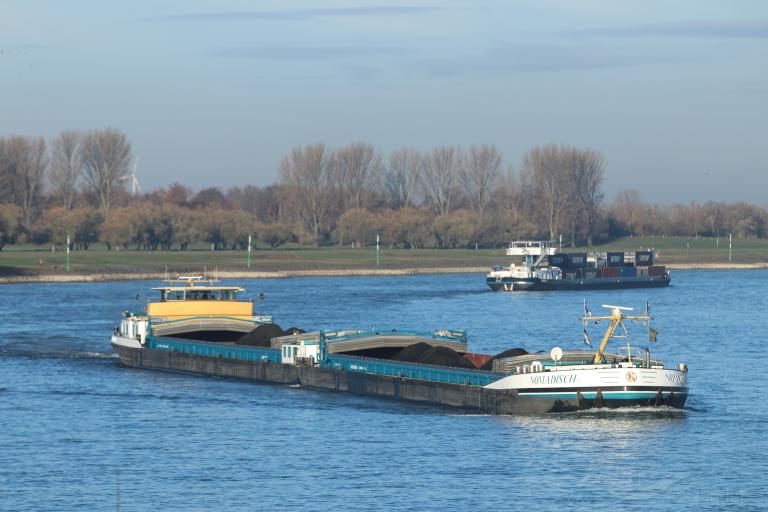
[615, 259]
[643, 258]
[627, 271]
[578, 259]
[558, 260]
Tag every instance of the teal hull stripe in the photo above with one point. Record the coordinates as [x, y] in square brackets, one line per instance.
[607, 395]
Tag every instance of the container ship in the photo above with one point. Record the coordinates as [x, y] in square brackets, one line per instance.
[202, 328]
[541, 268]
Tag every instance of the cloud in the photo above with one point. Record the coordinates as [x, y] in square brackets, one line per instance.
[515, 58]
[297, 14]
[747, 29]
[298, 53]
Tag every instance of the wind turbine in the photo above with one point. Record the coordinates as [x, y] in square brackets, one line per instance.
[135, 186]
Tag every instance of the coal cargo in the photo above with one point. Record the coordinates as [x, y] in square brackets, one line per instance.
[261, 336]
[444, 356]
[512, 352]
[644, 258]
[412, 353]
[615, 259]
[558, 260]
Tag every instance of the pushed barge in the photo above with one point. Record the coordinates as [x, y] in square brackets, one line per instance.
[543, 269]
[336, 361]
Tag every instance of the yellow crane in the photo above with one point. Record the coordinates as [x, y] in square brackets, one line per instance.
[616, 319]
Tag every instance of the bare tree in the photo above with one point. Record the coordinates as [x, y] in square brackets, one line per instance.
[545, 173]
[356, 171]
[714, 215]
[588, 174]
[106, 157]
[7, 172]
[632, 212]
[481, 171]
[507, 195]
[24, 164]
[402, 177]
[66, 165]
[305, 174]
[440, 171]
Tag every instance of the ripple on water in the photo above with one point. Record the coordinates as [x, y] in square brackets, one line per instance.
[75, 425]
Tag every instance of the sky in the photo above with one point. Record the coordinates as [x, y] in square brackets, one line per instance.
[215, 93]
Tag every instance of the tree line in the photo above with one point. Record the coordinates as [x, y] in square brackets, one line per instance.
[76, 186]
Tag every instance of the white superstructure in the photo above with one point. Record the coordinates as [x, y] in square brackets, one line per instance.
[598, 379]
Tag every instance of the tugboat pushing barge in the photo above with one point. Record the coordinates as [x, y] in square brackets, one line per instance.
[171, 335]
[543, 269]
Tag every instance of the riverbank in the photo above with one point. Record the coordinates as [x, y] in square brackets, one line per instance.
[20, 264]
[99, 277]
[155, 276]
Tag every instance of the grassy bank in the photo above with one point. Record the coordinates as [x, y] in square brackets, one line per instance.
[681, 250]
[26, 260]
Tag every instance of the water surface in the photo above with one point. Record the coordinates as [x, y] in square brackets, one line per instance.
[80, 432]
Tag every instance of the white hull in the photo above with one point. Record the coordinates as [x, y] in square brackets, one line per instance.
[632, 384]
[124, 341]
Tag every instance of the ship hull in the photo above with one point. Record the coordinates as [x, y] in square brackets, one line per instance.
[534, 284]
[470, 398]
[600, 386]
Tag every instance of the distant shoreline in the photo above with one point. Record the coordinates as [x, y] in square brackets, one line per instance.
[98, 277]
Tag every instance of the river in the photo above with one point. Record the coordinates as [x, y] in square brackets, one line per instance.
[80, 432]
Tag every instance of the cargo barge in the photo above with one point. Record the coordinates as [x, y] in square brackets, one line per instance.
[365, 363]
[544, 269]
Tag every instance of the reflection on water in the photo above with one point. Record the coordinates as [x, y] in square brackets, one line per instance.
[73, 422]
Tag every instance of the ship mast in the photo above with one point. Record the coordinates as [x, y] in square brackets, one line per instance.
[616, 320]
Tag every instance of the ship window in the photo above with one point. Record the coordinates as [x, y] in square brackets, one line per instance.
[174, 295]
[199, 295]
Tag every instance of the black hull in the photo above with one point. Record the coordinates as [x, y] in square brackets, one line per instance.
[467, 397]
[537, 285]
